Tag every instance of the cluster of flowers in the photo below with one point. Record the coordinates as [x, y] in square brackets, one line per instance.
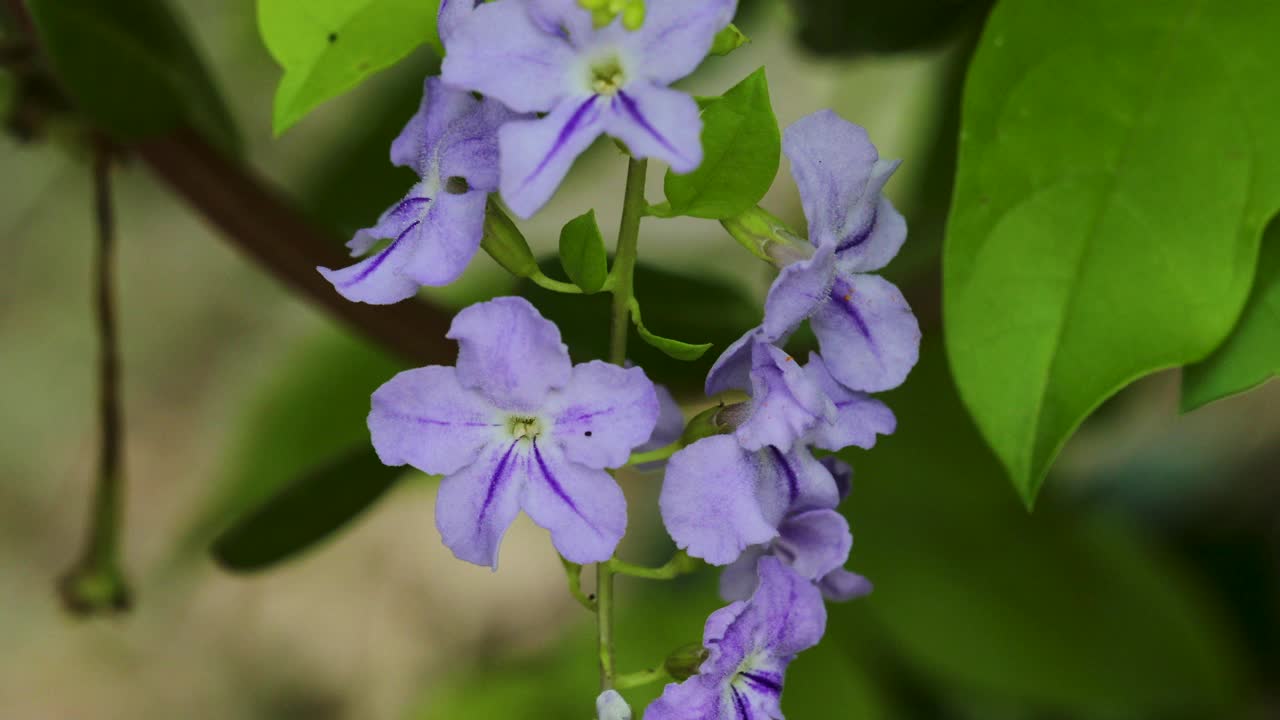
[527, 85]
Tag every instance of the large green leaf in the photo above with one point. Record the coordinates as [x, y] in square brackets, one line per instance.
[131, 68]
[328, 47]
[1252, 354]
[1057, 611]
[742, 150]
[1118, 162]
[309, 411]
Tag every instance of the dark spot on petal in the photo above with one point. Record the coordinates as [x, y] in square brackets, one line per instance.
[477, 96]
[333, 38]
[587, 433]
[457, 186]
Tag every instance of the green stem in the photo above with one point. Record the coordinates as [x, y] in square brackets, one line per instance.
[626, 681]
[553, 285]
[573, 572]
[623, 277]
[679, 564]
[661, 453]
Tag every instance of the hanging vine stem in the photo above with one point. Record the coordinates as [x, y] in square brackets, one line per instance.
[95, 584]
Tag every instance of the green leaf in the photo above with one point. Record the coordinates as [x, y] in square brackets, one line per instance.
[1251, 355]
[328, 47]
[728, 40]
[307, 512]
[852, 27]
[683, 351]
[1117, 166]
[131, 69]
[582, 253]
[742, 149]
[314, 403]
[1073, 613]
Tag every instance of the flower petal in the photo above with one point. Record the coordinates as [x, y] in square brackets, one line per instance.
[786, 403]
[738, 579]
[814, 543]
[582, 507]
[452, 14]
[657, 122]
[501, 52]
[791, 482]
[476, 505]
[840, 585]
[603, 413]
[868, 335]
[537, 154]
[859, 417]
[677, 35]
[510, 353]
[732, 370]
[798, 291]
[709, 502]
[784, 617]
[840, 177]
[377, 280]
[693, 699]
[447, 239]
[425, 418]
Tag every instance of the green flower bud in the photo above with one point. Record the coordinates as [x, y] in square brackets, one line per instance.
[767, 237]
[684, 662]
[703, 425]
[505, 243]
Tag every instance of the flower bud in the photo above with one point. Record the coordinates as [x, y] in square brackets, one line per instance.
[685, 662]
[704, 425]
[505, 243]
[767, 237]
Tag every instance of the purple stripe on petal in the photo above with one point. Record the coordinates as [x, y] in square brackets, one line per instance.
[842, 296]
[793, 482]
[633, 109]
[558, 490]
[764, 681]
[861, 236]
[740, 703]
[495, 480]
[379, 260]
[575, 121]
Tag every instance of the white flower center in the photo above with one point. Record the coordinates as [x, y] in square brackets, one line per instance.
[607, 76]
[524, 427]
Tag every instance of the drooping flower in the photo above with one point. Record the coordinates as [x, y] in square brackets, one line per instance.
[726, 493]
[750, 645]
[515, 426]
[452, 143]
[612, 706]
[866, 330]
[546, 56]
[814, 543]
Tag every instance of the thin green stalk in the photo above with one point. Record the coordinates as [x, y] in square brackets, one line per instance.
[679, 564]
[626, 681]
[623, 277]
[661, 453]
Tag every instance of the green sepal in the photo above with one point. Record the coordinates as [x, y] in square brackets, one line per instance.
[506, 244]
[582, 253]
[728, 40]
[763, 234]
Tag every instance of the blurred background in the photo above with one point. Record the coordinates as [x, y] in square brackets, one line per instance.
[1145, 585]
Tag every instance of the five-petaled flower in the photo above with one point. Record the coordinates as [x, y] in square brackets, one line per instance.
[813, 543]
[866, 330]
[750, 645]
[516, 426]
[546, 56]
[452, 143]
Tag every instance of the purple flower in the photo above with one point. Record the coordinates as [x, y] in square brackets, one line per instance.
[814, 543]
[452, 143]
[864, 326]
[790, 403]
[546, 56]
[750, 645]
[515, 426]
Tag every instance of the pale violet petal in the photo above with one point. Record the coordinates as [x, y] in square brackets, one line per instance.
[657, 122]
[832, 161]
[476, 505]
[814, 542]
[447, 239]
[425, 418]
[869, 337]
[537, 154]
[677, 35]
[583, 508]
[859, 417]
[603, 413]
[510, 353]
[786, 403]
[797, 293]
